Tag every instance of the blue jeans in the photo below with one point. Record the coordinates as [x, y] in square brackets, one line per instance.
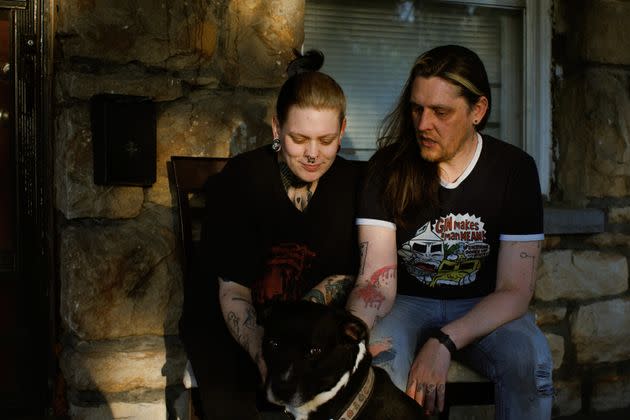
[515, 356]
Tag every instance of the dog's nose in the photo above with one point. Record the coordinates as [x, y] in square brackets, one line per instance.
[283, 390]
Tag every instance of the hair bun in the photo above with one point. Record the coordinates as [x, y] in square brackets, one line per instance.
[312, 60]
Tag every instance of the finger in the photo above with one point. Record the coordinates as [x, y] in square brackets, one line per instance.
[429, 402]
[411, 389]
[441, 396]
[420, 394]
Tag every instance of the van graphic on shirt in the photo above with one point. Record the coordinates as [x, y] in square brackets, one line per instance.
[447, 251]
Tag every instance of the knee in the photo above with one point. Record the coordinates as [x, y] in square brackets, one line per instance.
[529, 363]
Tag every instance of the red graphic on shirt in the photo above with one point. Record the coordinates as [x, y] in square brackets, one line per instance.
[283, 278]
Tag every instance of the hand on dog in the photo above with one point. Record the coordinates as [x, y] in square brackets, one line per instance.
[427, 376]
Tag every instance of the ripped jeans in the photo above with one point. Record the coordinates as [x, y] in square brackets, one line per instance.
[515, 356]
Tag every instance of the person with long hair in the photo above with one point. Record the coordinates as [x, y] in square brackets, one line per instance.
[450, 233]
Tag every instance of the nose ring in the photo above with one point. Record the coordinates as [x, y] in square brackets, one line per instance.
[310, 159]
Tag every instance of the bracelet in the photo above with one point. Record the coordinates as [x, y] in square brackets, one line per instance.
[443, 338]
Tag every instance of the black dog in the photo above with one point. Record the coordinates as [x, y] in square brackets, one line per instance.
[319, 367]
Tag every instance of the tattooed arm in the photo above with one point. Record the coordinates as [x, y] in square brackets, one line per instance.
[240, 317]
[333, 290]
[516, 274]
[516, 281]
[375, 290]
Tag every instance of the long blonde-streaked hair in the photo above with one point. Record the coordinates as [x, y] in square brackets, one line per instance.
[411, 183]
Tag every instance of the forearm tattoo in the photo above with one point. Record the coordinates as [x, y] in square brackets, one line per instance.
[371, 293]
[314, 295]
[363, 246]
[337, 288]
[533, 273]
[242, 330]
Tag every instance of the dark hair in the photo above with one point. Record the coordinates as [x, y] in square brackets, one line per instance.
[411, 183]
[308, 87]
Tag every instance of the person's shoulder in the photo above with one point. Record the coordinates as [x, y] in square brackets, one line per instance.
[504, 151]
[348, 168]
[250, 160]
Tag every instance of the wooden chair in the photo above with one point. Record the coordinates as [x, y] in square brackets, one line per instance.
[189, 176]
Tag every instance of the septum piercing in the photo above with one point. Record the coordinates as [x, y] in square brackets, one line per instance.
[310, 159]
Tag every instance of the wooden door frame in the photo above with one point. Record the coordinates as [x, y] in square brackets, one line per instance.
[31, 122]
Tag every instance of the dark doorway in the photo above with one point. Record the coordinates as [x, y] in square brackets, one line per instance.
[27, 332]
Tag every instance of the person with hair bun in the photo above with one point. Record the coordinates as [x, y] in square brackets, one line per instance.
[284, 226]
[450, 231]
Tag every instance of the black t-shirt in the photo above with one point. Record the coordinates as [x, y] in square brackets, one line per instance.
[265, 243]
[452, 253]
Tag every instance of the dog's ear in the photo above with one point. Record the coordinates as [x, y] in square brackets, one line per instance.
[355, 328]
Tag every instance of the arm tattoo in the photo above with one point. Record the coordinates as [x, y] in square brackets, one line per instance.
[234, 324]
[337, 289]
[370, 293]
[532, 281]
[363, 246]
[315, 295]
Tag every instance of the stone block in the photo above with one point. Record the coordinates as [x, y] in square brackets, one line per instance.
[549, 315]
[568, 398]
[124, 80]
[209, 124]
[619, 215]
[594, 160]
[260, 36]
[609, 240]
[121, 278]
[611, 392]
[120, 410]
[601, 331]
[109, 368]
[174, 35]
[570, 274]
[76, 195]
[606, 25]
[130, 366]
[556, 345]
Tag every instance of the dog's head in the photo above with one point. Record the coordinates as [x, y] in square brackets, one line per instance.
[310, 351]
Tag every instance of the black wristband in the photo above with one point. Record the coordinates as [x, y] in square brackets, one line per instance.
[443, 338]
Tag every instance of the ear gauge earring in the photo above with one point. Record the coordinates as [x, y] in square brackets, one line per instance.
[475, 122]
[275, 145]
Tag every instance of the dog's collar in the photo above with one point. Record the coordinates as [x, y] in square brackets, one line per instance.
[356, 405]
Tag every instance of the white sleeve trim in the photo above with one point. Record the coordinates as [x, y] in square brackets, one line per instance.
[375, 222]
[522, 238]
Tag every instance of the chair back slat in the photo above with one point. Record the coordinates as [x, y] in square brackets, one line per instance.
[190, 175]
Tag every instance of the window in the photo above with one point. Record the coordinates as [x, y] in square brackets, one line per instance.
[370, 46]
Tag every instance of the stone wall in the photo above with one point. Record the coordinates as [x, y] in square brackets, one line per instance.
[213, 68]
[582, 297]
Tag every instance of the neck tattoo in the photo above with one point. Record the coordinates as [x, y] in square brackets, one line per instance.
[289, 179]
[299, 191]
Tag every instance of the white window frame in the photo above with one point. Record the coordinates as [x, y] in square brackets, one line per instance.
[537, 97]
[536, 136]
[537, 84]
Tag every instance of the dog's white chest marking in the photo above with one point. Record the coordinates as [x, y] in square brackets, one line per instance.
[301, 412]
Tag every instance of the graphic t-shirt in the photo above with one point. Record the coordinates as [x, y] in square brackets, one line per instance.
[265, 243]
[452, 253]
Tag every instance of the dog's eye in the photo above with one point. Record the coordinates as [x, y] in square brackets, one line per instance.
[314, 352]
[273, 344]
